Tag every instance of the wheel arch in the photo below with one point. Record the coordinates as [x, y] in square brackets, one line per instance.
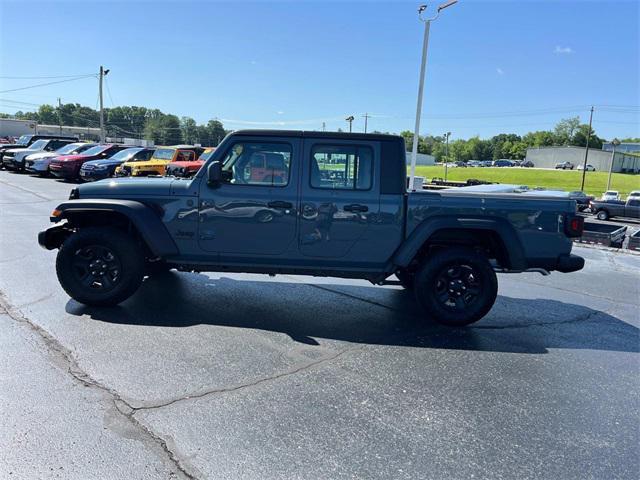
[132, 216]
[496, 236]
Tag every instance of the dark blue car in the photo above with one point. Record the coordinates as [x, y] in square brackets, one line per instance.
[104, 168]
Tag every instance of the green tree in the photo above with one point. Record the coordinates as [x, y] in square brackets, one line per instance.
[565, 130]
[580, 138]
[189, 130]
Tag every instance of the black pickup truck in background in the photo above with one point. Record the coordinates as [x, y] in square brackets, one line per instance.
[604, 210]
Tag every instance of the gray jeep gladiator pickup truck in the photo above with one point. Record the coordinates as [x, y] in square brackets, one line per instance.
[309, 203]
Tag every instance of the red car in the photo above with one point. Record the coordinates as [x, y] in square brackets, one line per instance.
[68, 166]
[186, 167]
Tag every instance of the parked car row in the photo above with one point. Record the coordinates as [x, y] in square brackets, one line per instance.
[494, 163]
[67, 158]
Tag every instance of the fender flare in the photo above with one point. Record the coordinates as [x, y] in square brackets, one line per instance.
[421, 234]
[144, 218]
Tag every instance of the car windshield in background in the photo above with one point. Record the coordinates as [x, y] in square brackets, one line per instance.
[24, 139]
[38, 144]
[95, 150]
[125, 154]
[70, 148]
[164, 154]
[206, 156]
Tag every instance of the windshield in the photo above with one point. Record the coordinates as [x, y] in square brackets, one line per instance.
[611, 192]
[206, 155]
[95, 150]
[164, 154]
[24, 139]
[39, 144]
[125, 154]
[69, 148]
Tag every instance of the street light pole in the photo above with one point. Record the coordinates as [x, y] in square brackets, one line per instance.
[586, 150]
[446, 155]
[615, 142]
[350, 119]
[103, 73]
[423, 65]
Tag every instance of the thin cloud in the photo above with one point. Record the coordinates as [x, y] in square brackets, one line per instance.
[280, 112]
[563, 50]
[499, 71]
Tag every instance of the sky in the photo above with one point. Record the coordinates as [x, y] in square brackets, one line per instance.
[493, 67]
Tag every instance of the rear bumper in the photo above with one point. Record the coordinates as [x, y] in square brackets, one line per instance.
[565, 263]
[569, 263]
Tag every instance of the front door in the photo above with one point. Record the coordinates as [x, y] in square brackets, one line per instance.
[253, 211]
[339, 196]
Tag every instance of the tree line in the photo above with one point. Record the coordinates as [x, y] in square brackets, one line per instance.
[567, 132]
[169, 129]
[131, 121]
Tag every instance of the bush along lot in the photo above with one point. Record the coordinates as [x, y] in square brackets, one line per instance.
[569, 180]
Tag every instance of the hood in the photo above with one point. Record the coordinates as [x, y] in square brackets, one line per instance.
[102, 162]
[127, 187]
[41, 155]
[20, 149]
[71, 158]
[5, 146]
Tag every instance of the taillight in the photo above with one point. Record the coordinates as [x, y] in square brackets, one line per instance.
[574, 226]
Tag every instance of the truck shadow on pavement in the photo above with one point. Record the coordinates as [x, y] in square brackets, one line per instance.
[360, 314]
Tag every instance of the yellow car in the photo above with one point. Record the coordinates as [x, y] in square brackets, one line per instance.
[160, 159]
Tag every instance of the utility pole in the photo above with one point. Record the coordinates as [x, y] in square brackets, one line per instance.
[423, 65]
[103, 73]
[586, 150]
[350, 119]
[366, 117]
[60, 114]
[615, 142]
[446, 155]
[324, 126]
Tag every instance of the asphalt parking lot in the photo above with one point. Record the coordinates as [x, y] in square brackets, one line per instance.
[246, 376]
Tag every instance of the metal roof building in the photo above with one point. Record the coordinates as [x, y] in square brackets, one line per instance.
[548, 157]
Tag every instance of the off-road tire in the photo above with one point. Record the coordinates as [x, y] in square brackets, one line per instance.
[120, 252]
[476, 286]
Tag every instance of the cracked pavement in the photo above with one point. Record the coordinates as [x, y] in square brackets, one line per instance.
[244, 376]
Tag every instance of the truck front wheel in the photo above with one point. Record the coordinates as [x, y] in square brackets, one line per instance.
[100, 266]
[456, 286]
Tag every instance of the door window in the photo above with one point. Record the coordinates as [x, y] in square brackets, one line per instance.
[341, 167]
[256, 163]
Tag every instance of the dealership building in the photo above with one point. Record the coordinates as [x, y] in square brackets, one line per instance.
[548, 157]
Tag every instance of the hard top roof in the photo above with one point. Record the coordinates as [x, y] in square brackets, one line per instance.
[313, 134]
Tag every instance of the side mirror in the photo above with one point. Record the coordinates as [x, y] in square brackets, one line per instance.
[214, 174]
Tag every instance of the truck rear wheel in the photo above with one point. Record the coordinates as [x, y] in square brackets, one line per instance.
[456, 287]
[100, 266]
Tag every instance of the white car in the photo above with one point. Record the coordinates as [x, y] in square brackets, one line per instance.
[634, 194]
[13, 158]
[610, 195]
[39, 162]
[590, 168]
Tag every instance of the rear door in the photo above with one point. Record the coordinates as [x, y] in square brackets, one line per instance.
[253, 212]
[339, 195]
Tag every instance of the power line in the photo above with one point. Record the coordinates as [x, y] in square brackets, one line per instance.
[46, 76]
[45, 84]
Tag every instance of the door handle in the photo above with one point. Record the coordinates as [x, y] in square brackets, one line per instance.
[354, 207]
[280, 204]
